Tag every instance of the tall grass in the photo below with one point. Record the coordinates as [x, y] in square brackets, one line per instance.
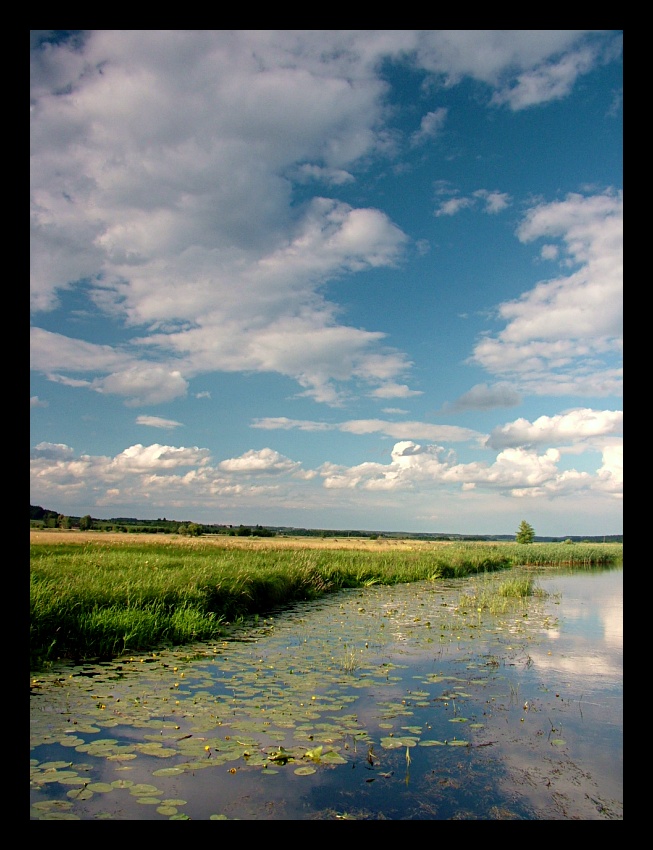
[101, 599]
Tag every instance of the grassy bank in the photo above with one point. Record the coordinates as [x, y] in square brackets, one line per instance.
[98, 596]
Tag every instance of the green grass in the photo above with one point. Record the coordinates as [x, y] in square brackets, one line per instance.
[499, 598]
[103, 599]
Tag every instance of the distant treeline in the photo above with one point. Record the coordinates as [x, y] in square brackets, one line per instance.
[44, 518]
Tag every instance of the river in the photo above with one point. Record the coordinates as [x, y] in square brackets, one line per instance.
[397, 703]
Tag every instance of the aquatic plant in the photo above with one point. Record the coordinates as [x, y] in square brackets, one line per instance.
[109, 596]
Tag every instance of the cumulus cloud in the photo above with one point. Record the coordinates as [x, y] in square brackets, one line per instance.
[564, 335]
[493, 202]
[551, 80]
[144, 384]
[265, 461]
[571, 427]
[139, 458]
[165, 477]
[524, 67]
[162, 174]
[430, 126]
[454, 206]
[52, 451]
[515, 473]
[35, 401]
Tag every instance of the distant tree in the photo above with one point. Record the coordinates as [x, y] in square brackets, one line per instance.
[86, 523]
[525, 533]
[64, 521]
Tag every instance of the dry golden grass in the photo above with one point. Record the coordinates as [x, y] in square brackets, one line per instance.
[76, 536]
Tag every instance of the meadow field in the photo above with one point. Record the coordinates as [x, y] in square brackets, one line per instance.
[98, 595]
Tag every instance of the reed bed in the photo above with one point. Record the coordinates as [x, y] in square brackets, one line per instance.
[107, 596]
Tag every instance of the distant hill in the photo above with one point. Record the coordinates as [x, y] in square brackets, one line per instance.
[50, 518]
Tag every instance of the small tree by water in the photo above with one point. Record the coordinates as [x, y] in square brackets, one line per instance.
[525, 533]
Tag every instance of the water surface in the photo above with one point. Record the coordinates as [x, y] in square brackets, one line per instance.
[393, 703]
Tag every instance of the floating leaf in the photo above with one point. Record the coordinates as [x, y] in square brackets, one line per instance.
[143, 788]
[391, 743]
[59, 816]
[84, 794]
[100, 787]
[53, 765]
[333, 758]
[314, 754]
[304, 771]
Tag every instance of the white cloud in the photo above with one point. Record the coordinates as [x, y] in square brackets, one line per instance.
[263, 461]
[282, 422]
[399, 430]
[409, 430]
[51, 351]
[157, 422]
[35, 401]
[516, 473]
[331, 176]
[575, 425]
[52, 451]
[430, 126]
[154, 458]
[552, 80]
[526, 67]
[144, 384]
[392, 390]
[162, 173]
[454, 206]
[495, 202]
[562, 335]
[161, 477]
[483, 397]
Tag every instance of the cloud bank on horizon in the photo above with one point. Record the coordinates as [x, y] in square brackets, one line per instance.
[302, 254]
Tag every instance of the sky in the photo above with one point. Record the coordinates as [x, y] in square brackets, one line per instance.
[331, 279]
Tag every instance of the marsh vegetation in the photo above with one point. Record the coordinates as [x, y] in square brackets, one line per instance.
[98, 596]
[496, 696]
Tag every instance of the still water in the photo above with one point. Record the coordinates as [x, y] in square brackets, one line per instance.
[398, 703]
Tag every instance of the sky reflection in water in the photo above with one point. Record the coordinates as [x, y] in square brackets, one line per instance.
[389, 681]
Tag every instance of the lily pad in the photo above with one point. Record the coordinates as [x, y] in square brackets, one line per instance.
[100, 787]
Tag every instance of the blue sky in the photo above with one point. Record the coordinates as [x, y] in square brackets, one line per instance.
[343, 279]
